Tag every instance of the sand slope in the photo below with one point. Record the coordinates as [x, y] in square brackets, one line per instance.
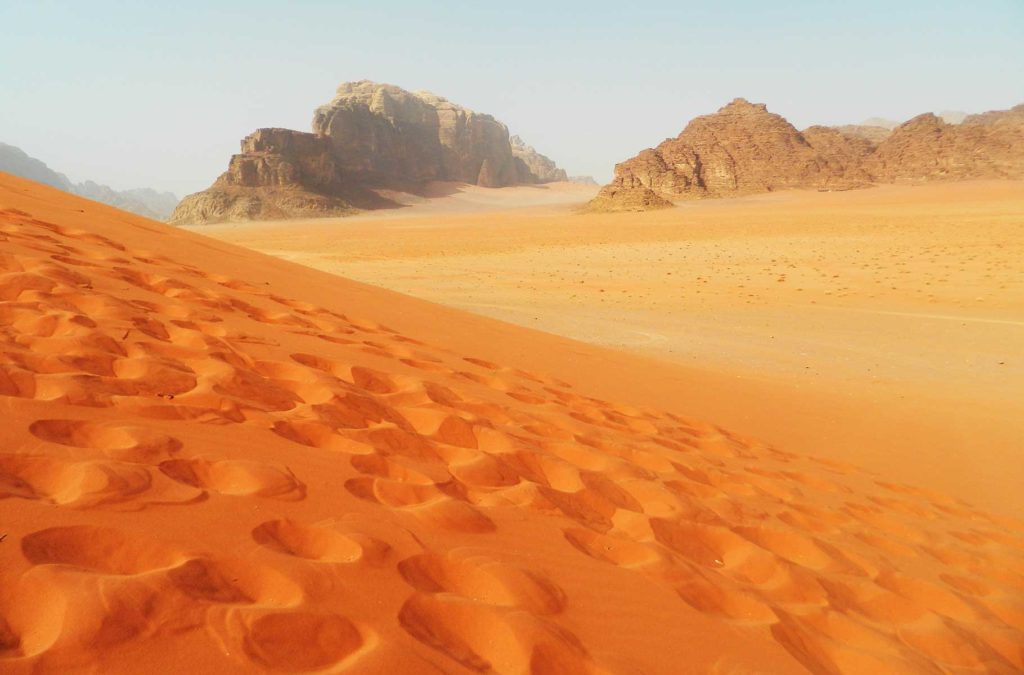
[214, 461]
[873, 326]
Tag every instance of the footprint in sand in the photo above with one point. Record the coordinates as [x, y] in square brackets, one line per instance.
[236, 478]
[234, 581]
[319, 435]
[483, 580]
[302, 641]
[486, 638]
[98, 549]
[66, 483]
[125, 443]
[312, 542]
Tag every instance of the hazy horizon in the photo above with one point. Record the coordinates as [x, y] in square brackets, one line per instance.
[159, 97]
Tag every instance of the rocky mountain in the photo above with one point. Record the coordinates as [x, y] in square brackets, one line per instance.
[534, 167]
[869, 132]
[988, 145]
[143, 201]
[744, 149]
[17, 162]
[883, 122]
[1012, 117]
[741, 149]
[839, 158]
[583, 180]
[369, 137]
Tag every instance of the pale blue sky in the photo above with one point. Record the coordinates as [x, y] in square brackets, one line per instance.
[159, 94]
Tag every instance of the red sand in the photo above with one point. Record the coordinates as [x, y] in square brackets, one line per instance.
[215, 461]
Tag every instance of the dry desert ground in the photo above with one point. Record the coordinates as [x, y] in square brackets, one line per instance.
[218, 461]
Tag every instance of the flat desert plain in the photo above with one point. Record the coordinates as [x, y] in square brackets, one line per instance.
[882, 327]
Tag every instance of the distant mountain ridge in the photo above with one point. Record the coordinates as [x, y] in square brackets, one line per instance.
[743, 149]
[143, 201]
[370, 137]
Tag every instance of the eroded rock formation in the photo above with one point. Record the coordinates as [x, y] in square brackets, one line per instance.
[279, 173]
[744, 149]
[534, 167]
[369, 137]
[741, 149]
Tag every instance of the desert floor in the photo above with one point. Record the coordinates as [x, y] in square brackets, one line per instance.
[883, 327]
[215, 461]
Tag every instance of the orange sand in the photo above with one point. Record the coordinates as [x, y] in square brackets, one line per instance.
[216, 462]
[883, 327]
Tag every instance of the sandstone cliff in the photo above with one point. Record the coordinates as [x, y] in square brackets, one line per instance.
[989, 145]
[534, 167]
[279, 173]
[840, 158]
[386, 135]
[745, 149]
[741, 149]
[369, 137]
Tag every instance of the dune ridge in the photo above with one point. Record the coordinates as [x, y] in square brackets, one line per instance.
[202, 471]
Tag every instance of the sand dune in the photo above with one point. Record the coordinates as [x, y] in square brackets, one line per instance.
[215, 461]
[863, 326]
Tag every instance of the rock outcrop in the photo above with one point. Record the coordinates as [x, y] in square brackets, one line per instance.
[387, 135]
[534, 167]
[741, 149]
[369, 137]
[583, 180]
[989, 145]
[143, 201]
[279, 173]
[840, 158]
[744, 149]
[613, 197]
[1012, 117]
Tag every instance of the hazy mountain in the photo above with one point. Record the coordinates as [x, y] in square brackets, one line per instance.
[952, 116]
[15, 161]
[143, 201]
[880, 122]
